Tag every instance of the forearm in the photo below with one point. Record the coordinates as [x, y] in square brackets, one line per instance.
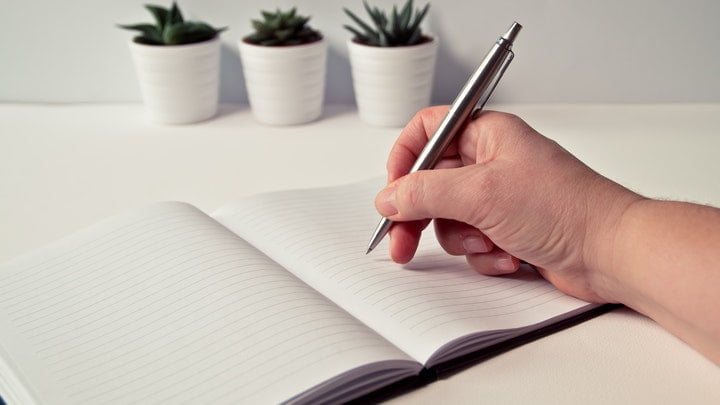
[665, 263]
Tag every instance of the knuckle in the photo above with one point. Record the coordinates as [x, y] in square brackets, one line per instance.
[429, 118]
[425, 114]
[430, 113]
[497, 120]
[414, 193]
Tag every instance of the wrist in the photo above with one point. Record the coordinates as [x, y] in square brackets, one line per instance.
[609, 211]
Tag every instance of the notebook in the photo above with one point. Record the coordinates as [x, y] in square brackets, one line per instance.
[269, 299]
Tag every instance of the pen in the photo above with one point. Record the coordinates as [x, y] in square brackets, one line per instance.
[476, 91]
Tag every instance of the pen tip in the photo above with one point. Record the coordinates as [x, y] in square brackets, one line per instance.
[369, 250]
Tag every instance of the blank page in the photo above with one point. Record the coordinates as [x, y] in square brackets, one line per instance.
[322, 234]
[164, 305]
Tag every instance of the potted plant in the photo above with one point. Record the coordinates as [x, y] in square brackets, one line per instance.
[284, 62]
[392, 63]
[178, 66]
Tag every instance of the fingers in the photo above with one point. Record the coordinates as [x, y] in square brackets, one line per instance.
[457, 193]
[412, 140]
[466, 186]
[461, 239]
[494, 263]
[479, 141]
[458, 238]
[404, 240]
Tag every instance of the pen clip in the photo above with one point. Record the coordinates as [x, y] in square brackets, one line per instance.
[495, 82]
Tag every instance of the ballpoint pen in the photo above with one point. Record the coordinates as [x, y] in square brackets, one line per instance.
[476, 91]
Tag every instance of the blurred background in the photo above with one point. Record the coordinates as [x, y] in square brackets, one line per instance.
[570, 51]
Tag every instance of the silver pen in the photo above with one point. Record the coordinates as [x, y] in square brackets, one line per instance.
[476, 91]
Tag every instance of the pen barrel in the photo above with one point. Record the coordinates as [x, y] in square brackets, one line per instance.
[477, 87]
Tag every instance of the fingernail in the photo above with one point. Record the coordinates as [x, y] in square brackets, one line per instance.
[475, 244]
[505, 264]
[386, 202]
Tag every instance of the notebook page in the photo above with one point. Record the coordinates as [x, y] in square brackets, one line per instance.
[163, 305]
[321, 235]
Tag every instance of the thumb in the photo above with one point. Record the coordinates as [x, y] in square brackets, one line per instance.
[456, 193]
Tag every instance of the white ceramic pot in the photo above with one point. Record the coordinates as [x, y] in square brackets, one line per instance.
[391, 84]
[285, 84]
[179, 83]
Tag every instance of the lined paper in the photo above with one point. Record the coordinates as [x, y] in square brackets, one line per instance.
[321, 235]
[164, 305]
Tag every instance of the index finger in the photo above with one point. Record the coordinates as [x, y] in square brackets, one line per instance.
[413, 139]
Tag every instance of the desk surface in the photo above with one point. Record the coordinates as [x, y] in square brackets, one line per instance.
[63, 167]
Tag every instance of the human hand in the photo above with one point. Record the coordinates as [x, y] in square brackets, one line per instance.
[503, 192]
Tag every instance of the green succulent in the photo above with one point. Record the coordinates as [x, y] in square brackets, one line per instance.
[400, 29]
[282, 28]
[170, 28]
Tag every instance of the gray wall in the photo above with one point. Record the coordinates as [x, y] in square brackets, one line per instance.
[569, 51]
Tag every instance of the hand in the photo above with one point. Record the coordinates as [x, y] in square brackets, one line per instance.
[504, 192]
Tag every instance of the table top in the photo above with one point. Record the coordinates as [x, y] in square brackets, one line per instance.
[63, 167]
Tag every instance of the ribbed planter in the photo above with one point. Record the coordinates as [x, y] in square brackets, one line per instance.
[179, 83]
[392, 84]
[285, 84]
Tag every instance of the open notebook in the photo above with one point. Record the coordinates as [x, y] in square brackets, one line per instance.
[270, 299]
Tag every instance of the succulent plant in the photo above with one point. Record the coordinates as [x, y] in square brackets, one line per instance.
[282, 28]
[400, 29]
[170, 28]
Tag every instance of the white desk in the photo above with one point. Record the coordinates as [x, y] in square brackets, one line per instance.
[64, 167]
